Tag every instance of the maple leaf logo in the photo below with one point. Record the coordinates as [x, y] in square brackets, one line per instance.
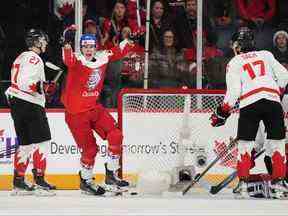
[65, 9]
[33, 87]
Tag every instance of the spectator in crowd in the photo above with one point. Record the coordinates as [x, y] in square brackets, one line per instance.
[112, 29]
[257, 15]
[223, 19]
[133, 64]
[280, 49]
[186, 26]
[113, 26]
[159, 22]
[132, 10]
[86, 14]
[167, 65]
[91, 27]
[111, 37]
[281, 17]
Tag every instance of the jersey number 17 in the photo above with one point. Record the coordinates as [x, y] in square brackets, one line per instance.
[256, 65]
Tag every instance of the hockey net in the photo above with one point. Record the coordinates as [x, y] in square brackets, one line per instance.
[164, 129]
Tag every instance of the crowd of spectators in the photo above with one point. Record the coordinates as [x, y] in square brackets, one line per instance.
[173, 39]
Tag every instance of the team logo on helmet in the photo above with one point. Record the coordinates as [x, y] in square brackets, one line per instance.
[88, 39]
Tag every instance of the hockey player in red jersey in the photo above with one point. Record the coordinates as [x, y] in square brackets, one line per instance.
[26, 97]
[257, 80]
[84, 114]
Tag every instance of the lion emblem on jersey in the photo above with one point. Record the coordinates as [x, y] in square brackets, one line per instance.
[93, 80]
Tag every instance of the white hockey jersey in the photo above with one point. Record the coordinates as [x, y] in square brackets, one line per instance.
[253, 76]
[27, 70]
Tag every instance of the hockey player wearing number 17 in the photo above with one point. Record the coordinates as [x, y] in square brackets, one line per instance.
[257, 79]
[84, 114]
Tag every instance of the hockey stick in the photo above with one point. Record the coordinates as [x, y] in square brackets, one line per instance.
[217, 188]
[232, 144]
[56, 68]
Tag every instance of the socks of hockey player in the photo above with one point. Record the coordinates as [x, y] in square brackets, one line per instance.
[278, 165]
[243, 166]
[21, 159]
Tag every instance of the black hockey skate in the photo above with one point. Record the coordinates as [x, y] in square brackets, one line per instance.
[241, 190]
[89, 187]
[40, 181]
[20, 187]
[111, 178]
[279, 189]
[42, 188]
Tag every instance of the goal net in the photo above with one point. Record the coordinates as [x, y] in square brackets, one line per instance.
[164, 129]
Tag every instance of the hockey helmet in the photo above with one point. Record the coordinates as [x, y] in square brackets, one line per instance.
[88, 39]
[244, 39]
[34, 37]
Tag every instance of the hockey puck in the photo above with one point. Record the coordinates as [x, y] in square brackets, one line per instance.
[133, 193]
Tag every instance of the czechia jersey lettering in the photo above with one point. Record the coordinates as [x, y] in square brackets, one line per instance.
[26, 71]
[253, 76]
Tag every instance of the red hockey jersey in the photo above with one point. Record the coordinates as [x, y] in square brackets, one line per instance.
[84, 81]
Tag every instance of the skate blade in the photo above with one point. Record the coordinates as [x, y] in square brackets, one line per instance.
[43, 192]
[115, 189]
[19, 192]
[87, 193]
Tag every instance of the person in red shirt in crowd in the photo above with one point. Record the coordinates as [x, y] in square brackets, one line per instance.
[84, 114]
[256, 11]
[112, 27]
[257, 15]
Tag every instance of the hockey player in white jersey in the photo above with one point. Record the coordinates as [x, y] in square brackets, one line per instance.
[26, 97]
[258, 81]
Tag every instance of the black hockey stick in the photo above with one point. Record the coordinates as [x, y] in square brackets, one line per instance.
[232, 144]
[217, 188]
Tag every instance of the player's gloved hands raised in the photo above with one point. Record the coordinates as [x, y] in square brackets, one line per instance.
[219, 117]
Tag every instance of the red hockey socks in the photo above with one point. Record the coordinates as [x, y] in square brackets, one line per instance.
[21, 159]
[278, 165]
[244, 165]
[39, 162]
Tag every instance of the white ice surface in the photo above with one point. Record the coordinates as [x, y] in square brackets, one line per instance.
[74, 203]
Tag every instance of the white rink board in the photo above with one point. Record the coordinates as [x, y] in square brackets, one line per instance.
[63, 155]
[143, 141]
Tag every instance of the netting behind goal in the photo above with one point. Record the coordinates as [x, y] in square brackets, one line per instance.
[164, 129]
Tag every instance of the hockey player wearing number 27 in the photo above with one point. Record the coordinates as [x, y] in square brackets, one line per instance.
[258, 80]
[84, 114]
[26, 97]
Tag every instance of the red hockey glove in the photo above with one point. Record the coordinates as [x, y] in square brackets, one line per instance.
[219, 117]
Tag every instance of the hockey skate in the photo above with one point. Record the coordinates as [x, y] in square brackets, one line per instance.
[278, 189]
[90, 188]
[112, 178]
[42, 188]
[20, 187]
[241, 190]
[114, 183]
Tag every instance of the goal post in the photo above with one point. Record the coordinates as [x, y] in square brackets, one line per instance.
[167, 128]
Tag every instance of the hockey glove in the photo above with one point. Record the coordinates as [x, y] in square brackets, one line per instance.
[47, 87]
[50, 88]
[219, 117]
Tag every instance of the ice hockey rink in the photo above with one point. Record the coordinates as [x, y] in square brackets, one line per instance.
[74, 203]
